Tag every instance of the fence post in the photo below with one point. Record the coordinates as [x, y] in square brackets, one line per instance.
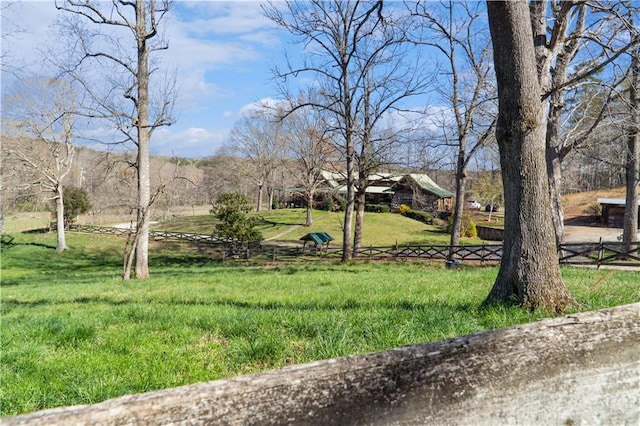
[273, 254]
[600, 254]
[370, 251]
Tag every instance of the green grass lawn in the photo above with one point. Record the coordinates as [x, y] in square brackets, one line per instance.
[74, 333]
[380, 229]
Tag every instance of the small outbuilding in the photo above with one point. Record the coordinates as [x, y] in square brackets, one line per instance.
[613, 211]
[318, 238]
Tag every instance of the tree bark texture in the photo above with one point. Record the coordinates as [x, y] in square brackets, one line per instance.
[529, 271]
[350, 164]
[579, 369]
[458, 208]
[553, 58]
[144, 139]
[630, 230]
[61, 244]
[348, 212]
[308, 221]
[361, 199]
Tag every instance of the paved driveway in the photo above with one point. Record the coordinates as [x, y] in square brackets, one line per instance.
[586, 234]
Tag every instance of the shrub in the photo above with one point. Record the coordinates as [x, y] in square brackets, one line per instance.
[470, 230]
[377, 208]
[404, 209]
[232, 210]
[421, 216]
[468, 227]
[76, 202]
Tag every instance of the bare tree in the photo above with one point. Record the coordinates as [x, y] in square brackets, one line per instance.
[10, 29]
[573, 41]
[43, 113]
[221, 175]
[388, 79]
[356, 63]
[6, 65]
[468, 91]
[333, 32]
[183, 183]
[311, 151]
[119, 48]
[529, 271]
[260, 138]
[630, 227]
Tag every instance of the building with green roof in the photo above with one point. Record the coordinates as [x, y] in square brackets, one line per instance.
[415, 190]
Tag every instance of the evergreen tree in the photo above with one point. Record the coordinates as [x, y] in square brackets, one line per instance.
[76, 202]
[232, 211]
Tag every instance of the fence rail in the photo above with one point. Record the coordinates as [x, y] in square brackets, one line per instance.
[156, 235]
[596, 254]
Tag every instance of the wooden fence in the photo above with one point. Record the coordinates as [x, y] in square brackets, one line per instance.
[155, 235]
[578, 369]
[596, 254]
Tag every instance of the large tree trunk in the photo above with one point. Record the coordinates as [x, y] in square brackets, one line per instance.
[61, 244]
[347, 226]
[458, 209]
[260, 194]
[309, 219]
[529, 271]
[554, 170]
[359, 228]
[144, 136]
[630, 230]
[348, 212]
[270, 192]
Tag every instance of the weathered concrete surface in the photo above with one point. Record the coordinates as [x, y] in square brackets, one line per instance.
[579, 369]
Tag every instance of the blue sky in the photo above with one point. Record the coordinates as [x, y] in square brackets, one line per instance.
[223, 53]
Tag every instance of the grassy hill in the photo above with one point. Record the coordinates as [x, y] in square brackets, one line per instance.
[380, 229]
[581, 206]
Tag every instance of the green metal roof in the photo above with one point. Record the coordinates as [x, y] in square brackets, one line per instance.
[370, 190]
[426, 183]
[317, 237]
[335, 180]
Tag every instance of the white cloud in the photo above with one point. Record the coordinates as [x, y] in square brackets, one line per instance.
[264, 38]
[220, 52]
[262, 105]
[23, 39]
[193, 88]
[191, 142]
[429, 118]
[215, 17]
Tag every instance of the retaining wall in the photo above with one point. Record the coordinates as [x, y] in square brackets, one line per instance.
[490, 234]
[578, 369]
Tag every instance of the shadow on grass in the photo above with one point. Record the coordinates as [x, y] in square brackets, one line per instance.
[37, 231]
[167, 260]
[261, 221]
[6, 246]
[343, 305]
